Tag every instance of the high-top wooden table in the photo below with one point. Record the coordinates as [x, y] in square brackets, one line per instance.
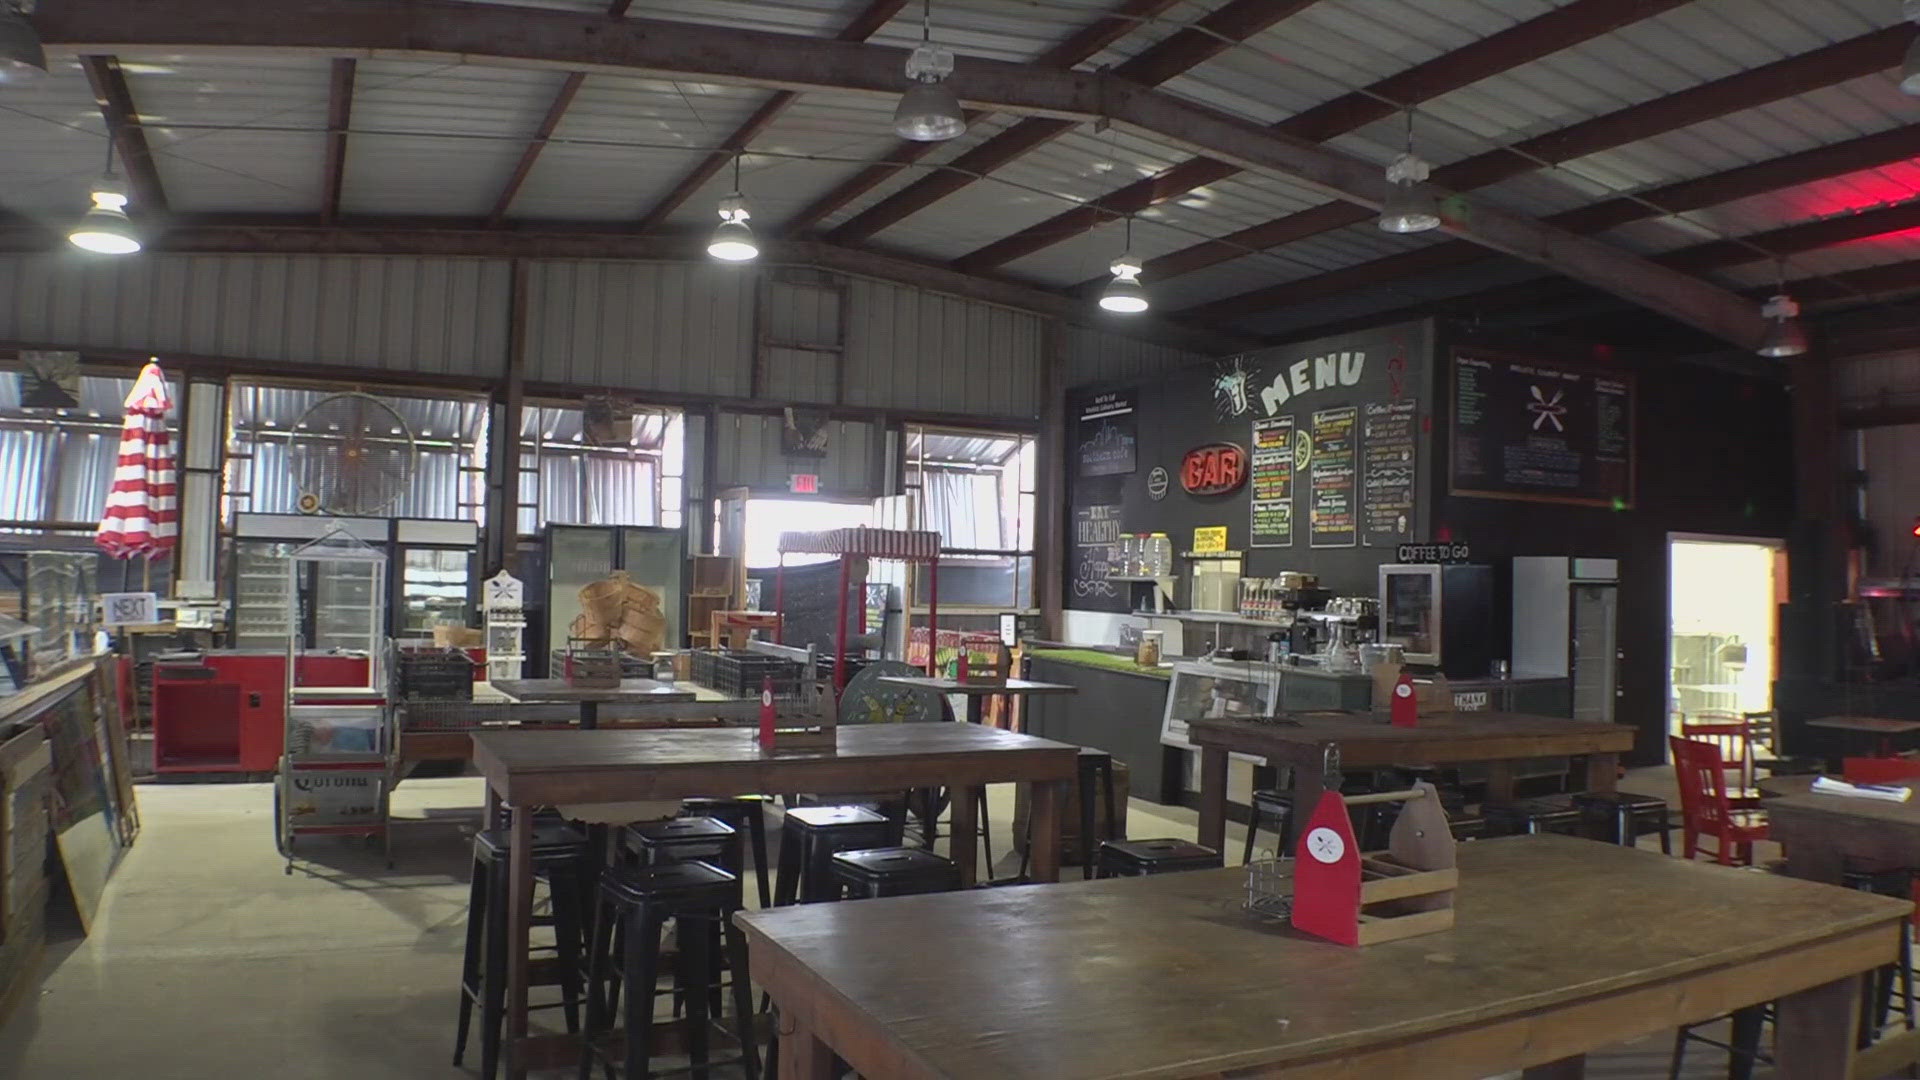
[1560, 947]
[590, 698]
[1498, 739]
[529, 769]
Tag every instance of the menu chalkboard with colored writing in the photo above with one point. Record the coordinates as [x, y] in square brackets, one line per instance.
[1331, 520]
[1387, 478]
[1525, 429]
[1096, 532]
[1272, 483]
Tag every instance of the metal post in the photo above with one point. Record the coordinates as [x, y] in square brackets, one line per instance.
[840, 630]
[933, 618]
[779, 602]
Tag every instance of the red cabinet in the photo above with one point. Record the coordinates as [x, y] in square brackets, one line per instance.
[229, 713]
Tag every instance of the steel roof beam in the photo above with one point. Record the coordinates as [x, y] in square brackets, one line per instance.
[543, 38]
[339, 119]
[1558, 29]
[1809, 166]
[562, 101]
[110, 93]
[1237, 21]
[865, 25]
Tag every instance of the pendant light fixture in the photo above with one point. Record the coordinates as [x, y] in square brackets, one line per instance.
[1910, 68]
[1124, 293]
[1410, 206]
[105, 229]
[21, 56]
[733, 240]
[929, 111]
[1785, 335]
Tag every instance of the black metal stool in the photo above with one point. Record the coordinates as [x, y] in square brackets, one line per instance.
[1622, 818]
[1144, 858]
[1095, 768]
[701, 899]
[558, 854]
[1465, 826]
[1270, 805]
[748, 814]
[808, 840]
[1524, 817]
[1879, 999]
[894, 871]
[685, 839]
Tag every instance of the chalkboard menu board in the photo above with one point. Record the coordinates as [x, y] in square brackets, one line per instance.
[1271, 470]
[1108, 435]
[1096, 532]
[1525, 429]
[1331, 521]
[1387, 482]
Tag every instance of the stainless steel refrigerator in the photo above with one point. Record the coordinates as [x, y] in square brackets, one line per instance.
[1566, 626]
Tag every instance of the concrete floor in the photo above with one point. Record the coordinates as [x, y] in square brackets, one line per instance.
[208, 961]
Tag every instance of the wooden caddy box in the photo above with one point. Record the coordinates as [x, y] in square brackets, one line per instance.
[1355, 898]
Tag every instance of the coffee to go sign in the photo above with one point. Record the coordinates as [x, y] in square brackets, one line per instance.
[1213, 469]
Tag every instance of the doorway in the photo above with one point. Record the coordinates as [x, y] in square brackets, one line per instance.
[1722, 619]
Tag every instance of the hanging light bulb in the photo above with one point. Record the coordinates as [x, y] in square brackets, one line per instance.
[929, 111]
[1124, 293]
[1410, 205]
[733, 240]
[21, 56]
[1910, 68]
[105, 228]
[1785, 335]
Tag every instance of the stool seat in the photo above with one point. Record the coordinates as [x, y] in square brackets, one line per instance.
[894, 871]
[1622, 817]
[828, 817]
[551, 844]
[681, 838]
[746, 813]
[676, 884]
[1541, 814]
[812, 835]
[1140, 858]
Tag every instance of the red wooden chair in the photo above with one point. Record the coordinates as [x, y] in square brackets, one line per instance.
[1705, 809]
[1730, 734]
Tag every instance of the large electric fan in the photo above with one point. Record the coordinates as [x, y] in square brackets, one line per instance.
[351, 455]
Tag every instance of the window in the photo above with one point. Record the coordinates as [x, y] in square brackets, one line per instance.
[567, 479]
[449, 441]
[975, 488]
[59, 463]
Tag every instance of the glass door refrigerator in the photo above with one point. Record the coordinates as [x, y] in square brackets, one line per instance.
[436, 575]
[433, 579]
[578, 555]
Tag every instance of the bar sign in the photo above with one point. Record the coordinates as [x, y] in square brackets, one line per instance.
[804, 483]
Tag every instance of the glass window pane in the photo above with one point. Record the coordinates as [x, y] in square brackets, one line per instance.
[673, 452]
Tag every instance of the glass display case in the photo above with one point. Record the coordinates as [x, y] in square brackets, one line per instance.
[580, 555]
[435, 584]
[262, 602]
[51, 592]
[1214, 689]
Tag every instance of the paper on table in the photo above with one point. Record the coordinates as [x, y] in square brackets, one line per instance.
[1827, 785]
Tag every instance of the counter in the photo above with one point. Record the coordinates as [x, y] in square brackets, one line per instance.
[1118, 709]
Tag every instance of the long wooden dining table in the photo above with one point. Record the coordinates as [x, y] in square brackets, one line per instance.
[526, 770]
[1560, 947]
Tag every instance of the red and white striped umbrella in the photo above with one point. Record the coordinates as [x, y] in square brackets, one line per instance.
[142, 515]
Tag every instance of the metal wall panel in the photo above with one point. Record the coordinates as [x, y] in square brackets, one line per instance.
[674, 327]
[1100, 356]
[1891, 378]
[908, 349]
[799, 375]
[400, 313]
[750, 456]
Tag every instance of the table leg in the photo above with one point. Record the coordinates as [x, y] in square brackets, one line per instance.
[1603, 772]
[492, 818]
[1047, 795]
[1499, 782]
[976, 708]
[519, 927]
[963, 841]
[589, 715]
[803, 1056]
[1573, 1068]
[1814, 1031]
[1213, 798]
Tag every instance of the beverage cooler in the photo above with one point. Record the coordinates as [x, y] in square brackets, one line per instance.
[434, 578]
[578, 555]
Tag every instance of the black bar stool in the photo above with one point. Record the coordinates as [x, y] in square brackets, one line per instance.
[685, 839]
[811, 835]
[894, 871]
[743, 813]
[1622, 818]
[558, 855]
[1144, 858]
[1879, 999]
[1274, 808]
[1095, 768]
[701, 899]
[1524, 817]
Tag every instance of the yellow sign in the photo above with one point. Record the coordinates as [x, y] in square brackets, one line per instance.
[1211, 540]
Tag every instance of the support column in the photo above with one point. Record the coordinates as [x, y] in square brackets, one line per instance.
[503, 450]
[1049, 496]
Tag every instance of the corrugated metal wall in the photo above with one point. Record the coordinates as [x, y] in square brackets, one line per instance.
[1101, 356]
[1893, 378]
[445, 316]
[749, 455]
[909, 348]
[675, 327]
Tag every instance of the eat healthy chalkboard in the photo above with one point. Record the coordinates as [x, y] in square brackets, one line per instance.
[1539, 430]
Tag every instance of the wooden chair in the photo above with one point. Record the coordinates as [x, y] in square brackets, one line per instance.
[1732, 736]
[1763, 732]
[1706, 810]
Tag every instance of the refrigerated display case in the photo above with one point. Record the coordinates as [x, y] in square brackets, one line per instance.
[434, 578]
[578, 555]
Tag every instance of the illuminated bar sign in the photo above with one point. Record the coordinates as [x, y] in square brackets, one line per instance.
[1213, 469]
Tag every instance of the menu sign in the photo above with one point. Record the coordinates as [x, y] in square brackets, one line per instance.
[1096, 531]
[1108, 434]
[1539, 430]
[1272, 476]
[1331, 520]
[1387, 483]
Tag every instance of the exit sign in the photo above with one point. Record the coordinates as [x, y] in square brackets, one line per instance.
[804, 483]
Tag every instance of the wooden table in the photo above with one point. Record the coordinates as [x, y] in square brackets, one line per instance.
[528, 769]
[978, 692]
[590, 698]
[1882, 729]
[1561, 946]
[1820, 833]
[1499, 739]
